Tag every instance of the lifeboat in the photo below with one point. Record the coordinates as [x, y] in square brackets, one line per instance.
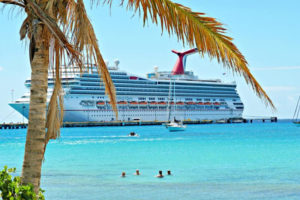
[179, 103]
[190, 103]
[153, 102]
[142, 102]
[133, 102]
[171, 103]
[217, 104]
[100, 103]
[207, 103]
[200, 103]
[122, 102]
[161, 103]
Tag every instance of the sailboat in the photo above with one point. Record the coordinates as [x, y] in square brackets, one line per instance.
[296, 113]
[176, 125]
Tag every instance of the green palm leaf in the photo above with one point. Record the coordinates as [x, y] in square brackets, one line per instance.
[196, 29]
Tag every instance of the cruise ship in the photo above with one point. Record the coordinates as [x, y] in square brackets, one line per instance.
[159, 96]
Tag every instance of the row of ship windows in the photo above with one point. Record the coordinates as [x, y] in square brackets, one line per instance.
[158, 90]
[133, 88]
[187, 99]
[158, 83]
[111, 73]
[163, 99]
[122, 76]
[140, 82]
[157, 94]
[238, 104]
[136, 115]
[100, 87]
[51, 79]
[160, 109]
[83, 86]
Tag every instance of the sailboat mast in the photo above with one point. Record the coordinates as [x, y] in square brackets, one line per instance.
[174, 92]
[169, 99]
[296, 113]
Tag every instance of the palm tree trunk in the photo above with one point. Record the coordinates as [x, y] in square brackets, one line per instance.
[35, 140]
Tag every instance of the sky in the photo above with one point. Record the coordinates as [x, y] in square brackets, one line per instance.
[265, 31]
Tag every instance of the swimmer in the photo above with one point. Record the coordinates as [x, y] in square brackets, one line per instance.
[169, 172]
[160, 175]
[133, 134]
[123, 175]
[137, 172]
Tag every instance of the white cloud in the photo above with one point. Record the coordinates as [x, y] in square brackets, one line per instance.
[282, 68]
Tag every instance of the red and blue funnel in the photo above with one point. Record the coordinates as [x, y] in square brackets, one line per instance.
[181, 61]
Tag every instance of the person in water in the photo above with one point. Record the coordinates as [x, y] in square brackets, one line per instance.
[137, 172]
[169, 172]
[132, 134]
[123, 175]
[160, 175]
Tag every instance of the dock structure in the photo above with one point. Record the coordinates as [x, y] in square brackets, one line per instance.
[143, 123]
[129, 123]
[262, 119]
[13, 126]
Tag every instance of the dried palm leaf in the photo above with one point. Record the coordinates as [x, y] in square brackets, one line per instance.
[55, 106]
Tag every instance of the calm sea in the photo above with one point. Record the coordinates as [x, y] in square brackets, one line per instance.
[228, 161]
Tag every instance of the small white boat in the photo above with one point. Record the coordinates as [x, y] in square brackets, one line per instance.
[175, 126]
[297, 123]
[296, 113]
[237, 121]
[221, 121]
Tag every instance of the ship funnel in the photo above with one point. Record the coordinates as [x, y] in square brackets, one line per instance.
[181, 61]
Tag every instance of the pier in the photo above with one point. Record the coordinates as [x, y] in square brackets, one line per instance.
[13, 126]
[262, 119]
[146, 123]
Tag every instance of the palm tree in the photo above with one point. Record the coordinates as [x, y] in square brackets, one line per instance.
[60, 32]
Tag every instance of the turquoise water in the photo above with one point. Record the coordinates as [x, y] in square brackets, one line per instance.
[226, 161]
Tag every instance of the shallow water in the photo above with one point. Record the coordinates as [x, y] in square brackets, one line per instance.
[226, 161]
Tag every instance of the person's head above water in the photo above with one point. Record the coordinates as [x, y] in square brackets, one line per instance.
[160, 175]
[123, 174]
[132, 133]
[137, 172]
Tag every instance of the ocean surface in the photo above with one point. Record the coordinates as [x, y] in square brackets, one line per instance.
[225, 161]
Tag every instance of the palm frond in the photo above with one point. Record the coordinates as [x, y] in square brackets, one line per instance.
[55, 107]
[196, 29]
[24, 28]
[85, 40]
[55, 32]
[12, 2]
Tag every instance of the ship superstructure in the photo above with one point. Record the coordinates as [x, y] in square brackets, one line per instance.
[140, 98]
